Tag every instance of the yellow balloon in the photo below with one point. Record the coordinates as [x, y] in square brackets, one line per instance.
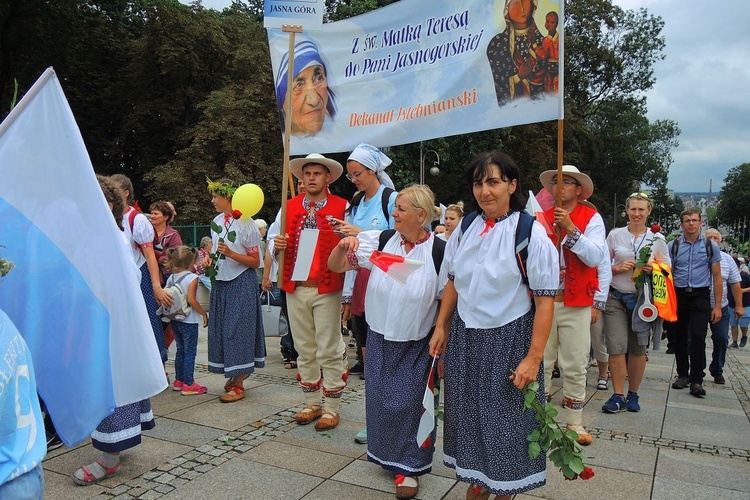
[248, 199]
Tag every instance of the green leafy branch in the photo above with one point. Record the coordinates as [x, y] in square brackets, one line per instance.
[213, 269]
[561, 444]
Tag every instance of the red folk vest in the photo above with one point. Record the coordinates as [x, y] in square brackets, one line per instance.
[581, 281]
[295, 220]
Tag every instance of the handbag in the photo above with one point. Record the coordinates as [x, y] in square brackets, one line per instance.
[274, 323]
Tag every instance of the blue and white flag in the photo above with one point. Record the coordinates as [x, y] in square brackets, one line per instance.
[421, 69]
[73, 294]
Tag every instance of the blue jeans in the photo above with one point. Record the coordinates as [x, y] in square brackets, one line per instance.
[29, 486]
[720, 338]
[186, 337]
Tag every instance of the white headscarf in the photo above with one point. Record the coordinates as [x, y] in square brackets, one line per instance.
[374, 159]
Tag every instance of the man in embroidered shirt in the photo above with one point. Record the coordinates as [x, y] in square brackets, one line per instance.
[314, 304]
[583, 248]
[696, 264]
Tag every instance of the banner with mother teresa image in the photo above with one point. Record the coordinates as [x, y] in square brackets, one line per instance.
[421, 69]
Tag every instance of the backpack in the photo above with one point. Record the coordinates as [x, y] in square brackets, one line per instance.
[385, 197]
[180, 309]
[438, 248]
[523, 236]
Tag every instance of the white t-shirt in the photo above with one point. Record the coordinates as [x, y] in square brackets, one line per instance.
[193, 317]
[624, 246]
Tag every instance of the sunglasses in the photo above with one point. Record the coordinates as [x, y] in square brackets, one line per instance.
[642, 196]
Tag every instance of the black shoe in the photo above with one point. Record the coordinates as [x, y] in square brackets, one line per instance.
[734, 345]
[53, 442]
[669, 350]
[743, 341]
[697, 390]
[680, 383]
[358, 368]
[719, 379]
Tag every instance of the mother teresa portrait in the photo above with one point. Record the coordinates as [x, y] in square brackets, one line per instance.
[313, 102]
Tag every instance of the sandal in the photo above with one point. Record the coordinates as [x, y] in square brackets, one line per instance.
[477, 492]
[556, 372]
[406, 486]
[601, 384]
[94, 472]
[290, 364]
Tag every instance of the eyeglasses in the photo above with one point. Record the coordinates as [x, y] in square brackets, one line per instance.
[566, 182]
[355, 175]
[643, 196]
[691, 221]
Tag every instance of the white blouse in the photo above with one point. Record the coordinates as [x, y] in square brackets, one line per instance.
[401, 312]
[486, 276]
[247, 241]
[143, 232]
[624, 246]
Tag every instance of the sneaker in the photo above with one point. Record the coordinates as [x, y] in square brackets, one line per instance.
[192, 389]
[743, 341]
[632, 402]
[680, 383]
[719, 379]
[361, 436]
[358, 368]
[352, 344]
[53, 442]
[734, 345]
[177, 386]
[697, 390]
[614, 404]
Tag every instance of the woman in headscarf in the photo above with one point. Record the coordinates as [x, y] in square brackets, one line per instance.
[370, 209]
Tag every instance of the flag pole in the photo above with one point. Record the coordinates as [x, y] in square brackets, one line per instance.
[292, 29]
[561, 115]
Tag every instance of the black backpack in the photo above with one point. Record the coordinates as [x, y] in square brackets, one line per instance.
[438, 247]
[523, 236]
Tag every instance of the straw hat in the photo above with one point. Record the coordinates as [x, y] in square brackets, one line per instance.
[333, 166]
[584, 180]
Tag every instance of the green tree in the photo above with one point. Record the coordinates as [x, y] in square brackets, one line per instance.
[734, 199]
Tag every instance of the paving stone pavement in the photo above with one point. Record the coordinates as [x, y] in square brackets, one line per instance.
[677, 447]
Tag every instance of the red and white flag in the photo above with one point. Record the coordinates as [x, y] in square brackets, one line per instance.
[427, 422]
[395, 266]
[534, 207]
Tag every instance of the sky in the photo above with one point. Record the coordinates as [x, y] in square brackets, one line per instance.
[703, 84]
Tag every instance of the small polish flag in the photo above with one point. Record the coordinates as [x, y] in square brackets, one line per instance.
[427, 422]
[534, 207]
[395, 266]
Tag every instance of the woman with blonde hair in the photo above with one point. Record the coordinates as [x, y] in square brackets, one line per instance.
[401, 318]
[453, 215]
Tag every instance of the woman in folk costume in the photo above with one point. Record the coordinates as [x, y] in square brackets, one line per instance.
[236, 344]
[122, 429]
[495, 345]
[400, 318]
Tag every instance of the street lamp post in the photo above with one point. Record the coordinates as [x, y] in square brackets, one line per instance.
[434, 170]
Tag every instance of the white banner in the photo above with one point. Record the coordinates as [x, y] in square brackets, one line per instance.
[421, 69]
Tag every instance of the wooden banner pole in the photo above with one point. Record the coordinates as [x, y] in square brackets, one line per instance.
[292, 29]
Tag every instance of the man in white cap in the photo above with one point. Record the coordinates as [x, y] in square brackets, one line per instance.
[314, 304]
[583, 247]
